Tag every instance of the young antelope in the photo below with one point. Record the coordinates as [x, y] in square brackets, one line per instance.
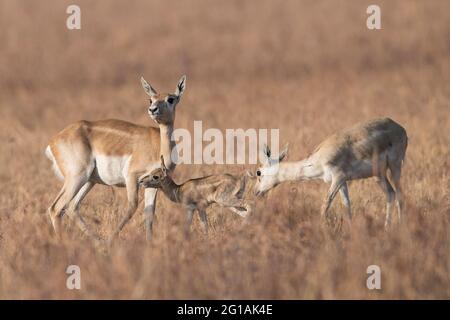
[198, 194]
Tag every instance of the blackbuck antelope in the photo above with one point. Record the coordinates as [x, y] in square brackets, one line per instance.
[370, 149]
[225, 190]
[114, 153]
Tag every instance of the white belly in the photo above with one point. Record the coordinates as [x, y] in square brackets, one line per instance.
[112, 170]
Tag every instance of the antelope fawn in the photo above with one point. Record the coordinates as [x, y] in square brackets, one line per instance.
[115, 153]
[370, 149]
[197, 194]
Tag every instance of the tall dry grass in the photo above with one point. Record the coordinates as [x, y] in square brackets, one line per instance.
[306, 67]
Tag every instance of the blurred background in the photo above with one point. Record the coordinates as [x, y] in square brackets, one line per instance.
[307, 67]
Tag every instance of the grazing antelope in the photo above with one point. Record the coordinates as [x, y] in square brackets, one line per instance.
[197, 194]
[115, 153]
[366, 150]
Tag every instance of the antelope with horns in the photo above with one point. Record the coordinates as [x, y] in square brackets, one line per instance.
[114, 153]
[370, 149]
[197, 194]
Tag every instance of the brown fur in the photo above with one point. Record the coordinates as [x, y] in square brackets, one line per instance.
[362, 141]
[110, 138]
[370, 149]
[197, 194]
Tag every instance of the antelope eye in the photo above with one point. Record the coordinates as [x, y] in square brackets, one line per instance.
[156, 177]
[170, 100]
[258, 173]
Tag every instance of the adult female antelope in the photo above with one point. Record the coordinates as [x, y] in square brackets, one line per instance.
[115, 153]
[366, 150]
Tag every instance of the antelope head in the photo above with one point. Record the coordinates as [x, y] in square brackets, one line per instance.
[267, 176]
[162, 106]
[156, 178]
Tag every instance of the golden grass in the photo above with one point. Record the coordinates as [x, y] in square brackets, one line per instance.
[308, 68]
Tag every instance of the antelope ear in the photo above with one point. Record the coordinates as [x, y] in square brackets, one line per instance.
[249, 174]
[163, 166]
[148, 88]
[141, 179]
[181, 86]
[283, 153]
[267, 151]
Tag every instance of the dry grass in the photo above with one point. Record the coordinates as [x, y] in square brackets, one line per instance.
[308, 68]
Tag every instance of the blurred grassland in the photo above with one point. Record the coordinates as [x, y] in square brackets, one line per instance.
[308, 68]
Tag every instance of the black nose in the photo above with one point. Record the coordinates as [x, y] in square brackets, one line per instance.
[153, 109]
